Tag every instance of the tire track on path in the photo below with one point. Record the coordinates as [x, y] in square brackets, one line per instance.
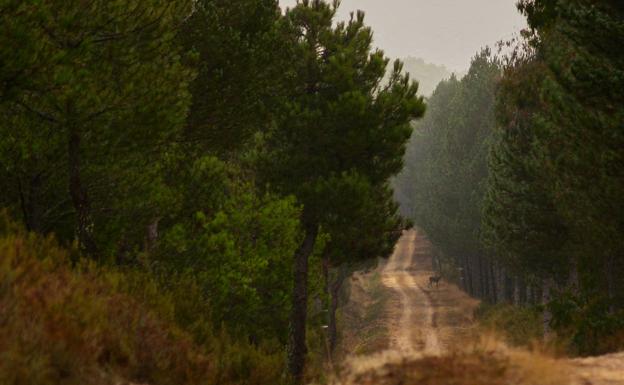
[405, 274]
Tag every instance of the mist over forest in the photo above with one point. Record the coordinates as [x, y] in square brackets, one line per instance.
[428, 75]
[258, 192]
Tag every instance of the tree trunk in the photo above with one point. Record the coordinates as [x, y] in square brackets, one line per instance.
[331, 316]
[492, 273]
[547, 286]
[29, 203]
[530, 294]
[609, 273]
[573, 277]
[34, 206]
[151, 235]
[479, 277]
[332, 327]
[486, 279]
[297, 342]
[509, 288]
[80, 199]
[502, 283]
[490, 281]
[468, 274]
[516, 291]
[523, 290]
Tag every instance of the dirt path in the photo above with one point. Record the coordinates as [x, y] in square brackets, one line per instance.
[603, 370]
[406, 273]
[429, 332]
[421, 320]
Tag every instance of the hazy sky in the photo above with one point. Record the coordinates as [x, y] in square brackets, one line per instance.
[445, 32]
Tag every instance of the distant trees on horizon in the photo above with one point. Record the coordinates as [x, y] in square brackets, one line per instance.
[517, 172]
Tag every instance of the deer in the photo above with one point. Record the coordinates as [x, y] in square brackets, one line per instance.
[434, 279]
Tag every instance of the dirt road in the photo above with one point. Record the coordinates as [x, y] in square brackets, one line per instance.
[420, 320]
[431, 337]
[424, 310]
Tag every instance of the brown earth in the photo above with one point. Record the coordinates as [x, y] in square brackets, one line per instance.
[398, 330]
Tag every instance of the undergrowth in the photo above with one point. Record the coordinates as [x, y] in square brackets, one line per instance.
[485, 361]
[64, 320]
[361, 331]
[518, 325]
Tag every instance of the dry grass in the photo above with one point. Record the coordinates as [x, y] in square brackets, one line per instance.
[483, 361]
[80, 325]
[60, 325]
[361, 320]
[447, 370]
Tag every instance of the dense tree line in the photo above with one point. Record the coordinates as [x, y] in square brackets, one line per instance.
[443, 184]
[241, 150]
[521, 184]
[565, 182]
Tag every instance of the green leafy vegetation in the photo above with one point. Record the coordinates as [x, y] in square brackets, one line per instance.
[519, 325]
[210, 168]
[516, 173]
[191, 182]
[79, 323]
[446, 167]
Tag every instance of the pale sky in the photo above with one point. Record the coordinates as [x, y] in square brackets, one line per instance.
[445, 32]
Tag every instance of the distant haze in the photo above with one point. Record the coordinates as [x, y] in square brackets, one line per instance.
[428, 75]
[447, 32]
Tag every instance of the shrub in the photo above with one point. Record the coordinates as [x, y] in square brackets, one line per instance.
[64, 325]
[588, 324]
[519, 325]
[79, 323]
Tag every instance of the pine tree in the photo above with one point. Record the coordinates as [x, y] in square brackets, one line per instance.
[342, 134]
[557, 167]
[103, 90]
[444, 179]
[241, 52]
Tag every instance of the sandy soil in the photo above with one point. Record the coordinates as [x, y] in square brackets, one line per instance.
[603, 370]
[427, 326]
[421, 320]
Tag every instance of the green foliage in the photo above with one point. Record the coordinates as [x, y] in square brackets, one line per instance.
[105, 90]
[554, 207]
[242, 52]
[64, 325]
[238, 245]
[587, 324]
[520, 220]
[442, 185]
[341, 127]
[446, 161]
[125, 125]
[519, 325]
[337, 140]
[528, 173]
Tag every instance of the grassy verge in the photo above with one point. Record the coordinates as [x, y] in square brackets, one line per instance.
[477, 367]
[362, 330]
[518, 326]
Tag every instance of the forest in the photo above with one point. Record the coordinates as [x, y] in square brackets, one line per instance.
[187, 184]
[517, 170]
[183, 178]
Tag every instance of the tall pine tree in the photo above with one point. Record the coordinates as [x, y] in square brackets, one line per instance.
[341, 136]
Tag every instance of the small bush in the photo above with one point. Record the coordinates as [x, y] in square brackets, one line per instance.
[460, 369]
[64, 325]
[519, 325]
[588, 324]
[90, 325]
